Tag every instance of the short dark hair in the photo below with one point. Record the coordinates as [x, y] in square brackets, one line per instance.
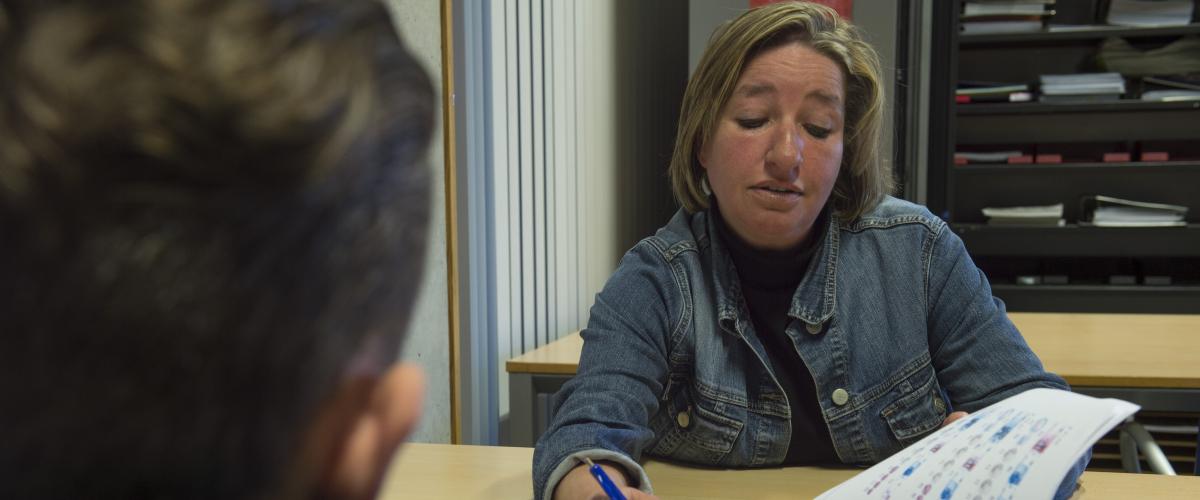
[205, 206]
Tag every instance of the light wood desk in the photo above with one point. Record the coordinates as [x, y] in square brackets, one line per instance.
[1116, 350]
[1149, 359]
[435, 471]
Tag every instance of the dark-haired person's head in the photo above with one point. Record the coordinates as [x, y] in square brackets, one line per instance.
[212, 224]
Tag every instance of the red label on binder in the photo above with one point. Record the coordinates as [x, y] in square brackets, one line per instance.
[1115, 157]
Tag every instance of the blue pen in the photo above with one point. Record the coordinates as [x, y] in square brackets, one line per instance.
[609, 487]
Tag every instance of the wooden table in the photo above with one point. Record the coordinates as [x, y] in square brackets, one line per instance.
[532, 378]
[434, 471]
[1152, 360]
[1116, 350]
[1149, 359]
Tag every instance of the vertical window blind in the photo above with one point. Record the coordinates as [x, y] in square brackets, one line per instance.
[567, 118]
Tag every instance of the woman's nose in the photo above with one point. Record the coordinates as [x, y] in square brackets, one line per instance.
[787, 151]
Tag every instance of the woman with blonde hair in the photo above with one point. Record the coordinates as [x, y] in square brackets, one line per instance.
[792, 312]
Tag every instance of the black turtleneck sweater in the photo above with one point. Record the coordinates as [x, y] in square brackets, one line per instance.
[768, 280]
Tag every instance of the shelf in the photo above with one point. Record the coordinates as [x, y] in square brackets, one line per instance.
[959, 192]
[980, 186]
[1138, 167]
[1008, 108]
[1079, 241]
[1118, 121]
[1100, 298]
[1094, 33]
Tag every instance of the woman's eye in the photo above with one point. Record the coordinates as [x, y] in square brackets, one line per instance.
[751, 123]
[818, 132]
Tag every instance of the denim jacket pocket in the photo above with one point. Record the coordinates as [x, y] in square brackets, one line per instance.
[693, 429]
[918, 412]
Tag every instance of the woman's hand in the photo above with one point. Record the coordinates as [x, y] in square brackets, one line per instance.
[580, 485]
[954, 416]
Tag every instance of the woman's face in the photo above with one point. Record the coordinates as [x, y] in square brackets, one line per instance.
[777, 148]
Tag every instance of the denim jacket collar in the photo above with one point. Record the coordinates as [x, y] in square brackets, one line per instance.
[816, 296]
[813, 301]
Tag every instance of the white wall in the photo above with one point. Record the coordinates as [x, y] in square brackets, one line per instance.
[877, 19]
[428, 340]
[704, 16]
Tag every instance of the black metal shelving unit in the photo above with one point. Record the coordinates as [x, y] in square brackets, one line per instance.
[1087, 255]
[1128, 120]
[1124, 105]
[1079, 241]
[1097, 32]
[1098, 298]
[979, 186]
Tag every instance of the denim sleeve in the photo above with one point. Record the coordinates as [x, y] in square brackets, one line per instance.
[608, 404]
[979, 355]
[1067, 487]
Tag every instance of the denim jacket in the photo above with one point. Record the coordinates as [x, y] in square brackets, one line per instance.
[894, 321]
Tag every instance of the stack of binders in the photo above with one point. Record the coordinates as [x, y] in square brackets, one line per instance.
[1106, 211]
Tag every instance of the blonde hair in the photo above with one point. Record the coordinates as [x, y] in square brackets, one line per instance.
[863, 180]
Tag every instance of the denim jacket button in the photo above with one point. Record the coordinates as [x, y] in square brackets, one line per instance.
[813, 328]
[683, 419]
[938, 404]
[840, 397]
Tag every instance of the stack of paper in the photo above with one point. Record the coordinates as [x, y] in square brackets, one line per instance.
[1186, 82]
[1082, 87]
[1046, 215]
[1172, 88]
[1150, 13]
[978, 8]
[1003, 16]
[1115, 212]
[986, 157]
[992, 92]
[1171, 95]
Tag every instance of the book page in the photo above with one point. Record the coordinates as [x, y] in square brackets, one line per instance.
[1021, 447]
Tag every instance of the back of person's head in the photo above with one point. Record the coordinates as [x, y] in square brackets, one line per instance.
[212, 221]
[864, 180]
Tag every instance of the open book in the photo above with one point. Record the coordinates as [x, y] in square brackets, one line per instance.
[1021, 447]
